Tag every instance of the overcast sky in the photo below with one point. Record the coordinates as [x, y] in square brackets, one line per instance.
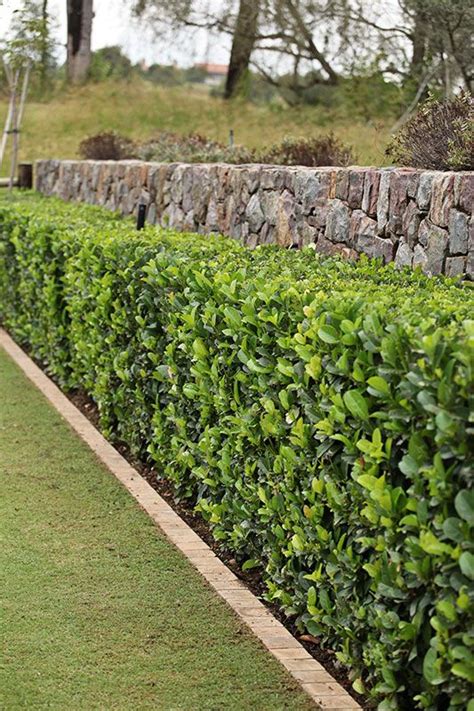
[113, 25]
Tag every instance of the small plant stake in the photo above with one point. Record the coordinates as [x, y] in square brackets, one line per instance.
[141, 216]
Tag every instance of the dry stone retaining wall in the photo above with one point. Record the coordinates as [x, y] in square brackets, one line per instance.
[416, 218]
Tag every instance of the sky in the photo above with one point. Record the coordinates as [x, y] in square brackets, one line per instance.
[113, 25]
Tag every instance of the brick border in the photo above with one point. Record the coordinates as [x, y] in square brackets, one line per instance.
[313, 678]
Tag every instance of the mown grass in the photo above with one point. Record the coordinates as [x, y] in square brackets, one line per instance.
[99, 610]
[138, 109]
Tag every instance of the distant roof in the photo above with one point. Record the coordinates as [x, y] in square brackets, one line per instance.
[213, 68]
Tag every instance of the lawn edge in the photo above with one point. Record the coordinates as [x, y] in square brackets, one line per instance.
[313, 678]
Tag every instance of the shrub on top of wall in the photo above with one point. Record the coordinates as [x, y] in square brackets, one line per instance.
[169, 147]
[315, 411]
[439, 136]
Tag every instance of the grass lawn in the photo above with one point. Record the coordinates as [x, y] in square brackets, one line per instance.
[98, 609]
[139, 109]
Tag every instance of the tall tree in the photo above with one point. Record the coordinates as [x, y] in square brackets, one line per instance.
[243, 41]
[290, 28]
[427, 43]
[79, 31]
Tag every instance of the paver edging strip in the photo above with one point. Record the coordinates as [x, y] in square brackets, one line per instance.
[325, 691]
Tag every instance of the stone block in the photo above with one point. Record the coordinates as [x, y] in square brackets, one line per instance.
[371, 192]
[375, 247]
[320, 213]
[455, 266]
[361, 226]
[411, 223]
[465, 197]
[419, 257]
[436, 250]
[398, 201]
[342, 184]
[423, 195]
[356, 188]
[254, 214]
[324, 246]
[412, 185]
[310, 188]
[383, 201]
[458, 232]
[404, 255]
[338, 222]
[285, 228]
[212, 216]
[442, 199]
[309, 234]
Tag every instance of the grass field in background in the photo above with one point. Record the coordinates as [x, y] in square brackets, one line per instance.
[99, 611]
[55, 128]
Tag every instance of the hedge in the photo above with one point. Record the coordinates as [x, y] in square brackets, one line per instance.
[316, 412]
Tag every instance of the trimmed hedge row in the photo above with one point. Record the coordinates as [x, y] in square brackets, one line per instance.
[317, 412]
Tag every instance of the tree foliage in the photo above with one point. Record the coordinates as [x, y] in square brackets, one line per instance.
[421, 43]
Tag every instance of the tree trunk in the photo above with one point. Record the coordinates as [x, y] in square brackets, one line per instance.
[43, 69]
[79, 30]
[418, 54]
[242, 45]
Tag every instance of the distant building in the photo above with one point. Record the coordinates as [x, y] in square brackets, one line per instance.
[215, 73]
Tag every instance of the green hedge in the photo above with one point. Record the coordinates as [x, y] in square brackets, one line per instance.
[316, 412]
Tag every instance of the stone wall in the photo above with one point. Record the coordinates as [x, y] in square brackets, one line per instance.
[417, 218]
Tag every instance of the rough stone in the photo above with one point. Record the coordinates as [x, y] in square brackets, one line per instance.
[458, 232]
[356, 188]
[466, 193]
[187, 190]
[419, 257]
[426, 226]
[455, 266]
[320, 214]
[442, 199]
[338, 222]
[307, 190]
[375, 247]
[254, 214]
[404, 255]
[411, 223]
[361, 226]
[251, 177]
[371, 192]
[309, 234]
[423, 195]
[397, 201]
[188, 221]
[436, 250]
[151, 215]
[212, 217]
[383, 201]
[412, 185]
[342, 185]
[285, 228]
[324, 246]
[470, 265]
[272, 179]
[269, 205]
